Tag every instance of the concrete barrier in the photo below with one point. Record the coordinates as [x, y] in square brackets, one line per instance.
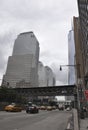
[68, 126]
[75, 119]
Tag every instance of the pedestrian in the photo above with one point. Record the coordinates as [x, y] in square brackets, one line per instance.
[82, 113]
[85, 111]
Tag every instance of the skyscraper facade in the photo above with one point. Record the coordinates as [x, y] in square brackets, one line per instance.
[42, 75]
[71, 61]
[78, 50]
[22, 68]
[46, 76]
[83, 19]
[46, 79]
[50, 76]
[71, 58]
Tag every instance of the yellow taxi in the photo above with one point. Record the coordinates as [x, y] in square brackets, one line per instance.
[43, 108]
[13, 108]
[49, 108]
[54, 107]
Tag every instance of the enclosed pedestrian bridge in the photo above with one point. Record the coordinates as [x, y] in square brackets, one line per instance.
[66, 90]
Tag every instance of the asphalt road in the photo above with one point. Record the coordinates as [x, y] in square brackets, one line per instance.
[44, 120]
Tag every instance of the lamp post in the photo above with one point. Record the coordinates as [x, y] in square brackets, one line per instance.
[68, 66]
[77, 66]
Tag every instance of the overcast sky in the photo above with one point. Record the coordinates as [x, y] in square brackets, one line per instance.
[50, 20]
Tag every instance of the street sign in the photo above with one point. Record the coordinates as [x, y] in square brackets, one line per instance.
[86, 94]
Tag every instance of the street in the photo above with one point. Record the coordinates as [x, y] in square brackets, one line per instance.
[45, 120]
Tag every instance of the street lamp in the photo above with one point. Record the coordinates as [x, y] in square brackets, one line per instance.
[77, 66]
[68, 66]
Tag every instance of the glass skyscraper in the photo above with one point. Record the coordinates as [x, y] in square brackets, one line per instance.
[22, 67]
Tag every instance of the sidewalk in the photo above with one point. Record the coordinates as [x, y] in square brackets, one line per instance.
[84, 124]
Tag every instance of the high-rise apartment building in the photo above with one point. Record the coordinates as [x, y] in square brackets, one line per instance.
[78, 51]
[83, 20]
[22, 68]
[76, 72]
[75, 54]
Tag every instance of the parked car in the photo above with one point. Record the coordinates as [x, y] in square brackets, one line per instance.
[13, 108]
[32, 109]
